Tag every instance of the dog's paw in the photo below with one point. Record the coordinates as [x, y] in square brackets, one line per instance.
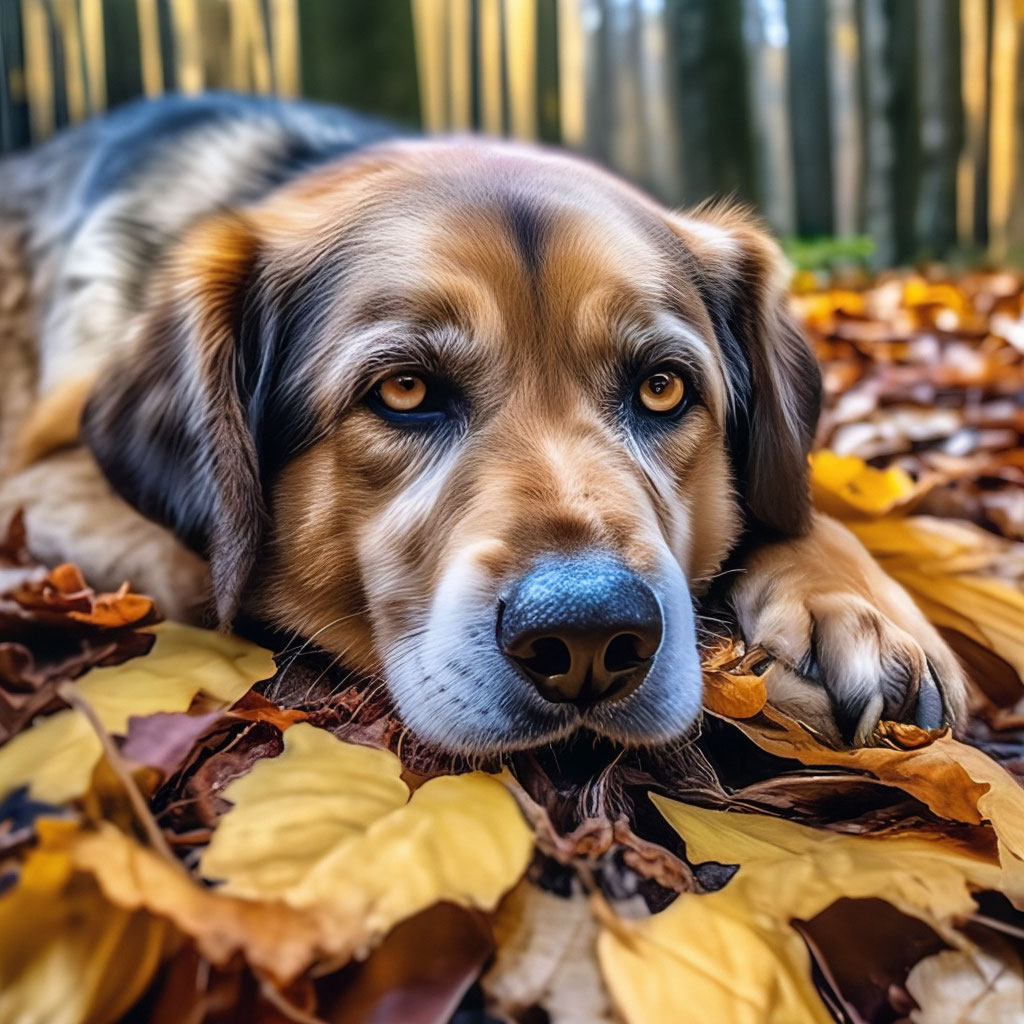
[843, 667]
[851, 647]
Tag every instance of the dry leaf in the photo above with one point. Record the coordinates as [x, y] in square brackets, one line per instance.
[547, 958]
[67, 956]
[731, 687]
[956, 781]
[273, 938]
[968, 987]
[63, 598]
[951, 570]
[846, 487]
[56, 757]
[418, 975]
[329, 827]
[863, 951]
[732, 954]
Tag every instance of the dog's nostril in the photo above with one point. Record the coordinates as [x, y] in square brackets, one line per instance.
[622, 654]
[551, 657]
[583, 628]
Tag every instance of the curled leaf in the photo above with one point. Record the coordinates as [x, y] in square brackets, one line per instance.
[956, 781]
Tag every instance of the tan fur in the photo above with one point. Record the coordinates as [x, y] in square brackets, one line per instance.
[545, 473]
[55, 422]
[825, 589]
[365, 528]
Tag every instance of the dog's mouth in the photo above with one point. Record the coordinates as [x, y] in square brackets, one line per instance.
[359, 708]
[477, 682]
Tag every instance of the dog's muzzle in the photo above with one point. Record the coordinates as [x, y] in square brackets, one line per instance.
[583, 629]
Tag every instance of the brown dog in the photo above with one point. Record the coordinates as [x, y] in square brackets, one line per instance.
[480, 419]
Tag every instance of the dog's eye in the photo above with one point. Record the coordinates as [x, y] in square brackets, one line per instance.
[662, 392]
[402, 393]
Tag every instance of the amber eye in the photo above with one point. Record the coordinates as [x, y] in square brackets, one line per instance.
[403, 393]
[663, 391]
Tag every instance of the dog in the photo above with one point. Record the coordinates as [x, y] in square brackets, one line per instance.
[479, 418]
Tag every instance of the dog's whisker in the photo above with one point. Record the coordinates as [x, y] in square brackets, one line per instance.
[284, 669]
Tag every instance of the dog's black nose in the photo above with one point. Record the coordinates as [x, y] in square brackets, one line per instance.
[584, 629]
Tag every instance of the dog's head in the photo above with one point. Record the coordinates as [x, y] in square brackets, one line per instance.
[479, 419]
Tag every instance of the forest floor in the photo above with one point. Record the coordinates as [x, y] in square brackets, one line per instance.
[191, 832]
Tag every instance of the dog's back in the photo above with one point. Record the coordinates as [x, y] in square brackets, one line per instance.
[86, 217]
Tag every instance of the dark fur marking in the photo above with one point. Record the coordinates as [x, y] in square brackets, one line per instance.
[134, 136]
[767, 450]
[528, 225]
[277, 333]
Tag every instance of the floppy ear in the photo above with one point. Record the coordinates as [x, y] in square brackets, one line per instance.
[168, 427]
[776, 380]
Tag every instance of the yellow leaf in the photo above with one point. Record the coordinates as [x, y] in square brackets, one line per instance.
[273, 937]
[353, 847]
[847, 487]
[184, 662]
[329, 790]
[952, 569]
[67, 956]
[731, 955]
[956, 781]
[55, 757]
[941, 565]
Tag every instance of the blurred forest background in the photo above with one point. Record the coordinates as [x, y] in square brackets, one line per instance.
[885, 130]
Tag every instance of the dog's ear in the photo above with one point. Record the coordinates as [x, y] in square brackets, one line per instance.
[776, 382]
[168, 427]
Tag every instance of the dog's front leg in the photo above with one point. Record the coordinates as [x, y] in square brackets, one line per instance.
[852, 646]
[72, 515]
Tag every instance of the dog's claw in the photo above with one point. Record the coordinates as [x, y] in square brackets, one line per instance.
[869, 720]
[930, 712]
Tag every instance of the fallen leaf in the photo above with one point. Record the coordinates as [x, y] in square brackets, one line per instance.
[163, 741]
[56, 756]
[67, 955]
[731, 687]
[950, 570]
[273, 937]
[967, 987]
[63, 598]
[864, 949]
[330, 827]
[846, 487]
[956, 781]
[732, 954]
[547, 958]
[418, 975]
[167, 740]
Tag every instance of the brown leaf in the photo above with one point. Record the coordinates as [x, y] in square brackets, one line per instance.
[418, 975]
[254, 707]
[164, 740]
[864, 949]
[956, 781]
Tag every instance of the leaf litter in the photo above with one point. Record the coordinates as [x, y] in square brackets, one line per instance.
[191, 832]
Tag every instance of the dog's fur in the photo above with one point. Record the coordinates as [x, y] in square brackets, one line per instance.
[220, 283]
